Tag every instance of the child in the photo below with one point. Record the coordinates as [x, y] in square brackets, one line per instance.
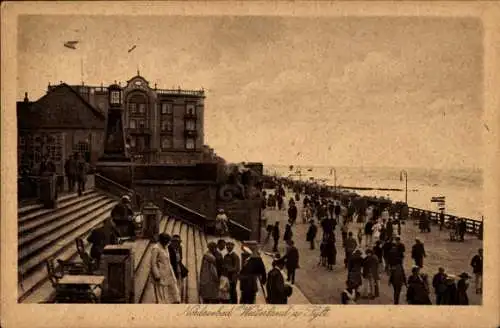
[323, 253]
[349, 295]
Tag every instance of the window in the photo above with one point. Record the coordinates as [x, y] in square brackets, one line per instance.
[22, 141]
[142, 108]
[132, 107]
[190, 109]
[190, 125]
[142, 124]
[132, 142]
[166, 125]
[166, 109]
[166, 142]
[132, 124]
[190, 143]
[115, 97]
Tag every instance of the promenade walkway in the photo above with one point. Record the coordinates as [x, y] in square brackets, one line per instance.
[321, 286]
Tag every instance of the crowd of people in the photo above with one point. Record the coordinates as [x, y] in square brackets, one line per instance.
[372, 250]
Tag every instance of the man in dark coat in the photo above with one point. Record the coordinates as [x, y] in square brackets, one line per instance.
[462, 228]
[276, 236]
[288, 232]
[418, 253]
[418, 289]
[122, 215]
[232, 266]
[311, 234]
[386, 250]
[477, 269]
[292, 213]
[368, 233]
[275, 286]
[397, 279]
[70, 170]
[291, 261]
[349, 247]
[219, 256]
[389, 229]
[100, 238]
[370, 274]
[81, 173]
[439, 284]
[252, 269]
[175, 253]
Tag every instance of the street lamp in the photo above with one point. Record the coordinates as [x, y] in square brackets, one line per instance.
[334, 179]
[403, 172]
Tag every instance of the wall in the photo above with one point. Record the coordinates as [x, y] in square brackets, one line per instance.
[246, 213]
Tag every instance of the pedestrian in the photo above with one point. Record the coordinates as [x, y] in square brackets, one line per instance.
[386, 251]
[221, 223]
[397, 279]
[350, 295]
[209, 276]
[418, 253]
[81, 173]
[462, 286]
[379, 252]
[417, 292]
[331, 252]
[477, 269]
[349, 247]
[370, 275]
[288, 232]
[165, 285]
[232, 266]
[253, 269]
[369, 233]
[311, 234]
[360, 236]
[354, 268]
[323, 255]
[439, 284]
[275, 285]
[70, 170]
[291, 261]
[292, 213]
[276, 236]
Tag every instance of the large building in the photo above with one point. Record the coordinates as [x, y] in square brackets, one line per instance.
[161, 126]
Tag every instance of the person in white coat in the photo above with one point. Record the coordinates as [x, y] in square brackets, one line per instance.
[164, 282]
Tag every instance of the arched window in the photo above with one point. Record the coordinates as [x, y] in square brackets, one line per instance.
[137, 110]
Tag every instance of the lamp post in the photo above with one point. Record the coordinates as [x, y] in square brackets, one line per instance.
[334, 170]
[405, 174]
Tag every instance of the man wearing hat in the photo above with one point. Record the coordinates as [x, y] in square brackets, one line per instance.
[221, 223]
[462, 285]
[275, 285]
[477, 266]
[122, 215]
[252, 269]
[232, 266]
[418, 253]
[439, 284]
[418, 291]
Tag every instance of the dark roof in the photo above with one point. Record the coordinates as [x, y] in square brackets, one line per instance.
[95, 110]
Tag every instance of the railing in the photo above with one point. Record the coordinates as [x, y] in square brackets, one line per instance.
[238, 231]
[175, 209]
[474, 227]
[180, 92]
[118, 190]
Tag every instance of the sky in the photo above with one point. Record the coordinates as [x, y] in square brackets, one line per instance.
[352, 91]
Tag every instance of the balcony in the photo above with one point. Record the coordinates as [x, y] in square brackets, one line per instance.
[138, 130]
[190, 133]
[190, 116]
[180, 92]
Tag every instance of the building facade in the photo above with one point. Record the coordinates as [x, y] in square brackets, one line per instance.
[160, 125]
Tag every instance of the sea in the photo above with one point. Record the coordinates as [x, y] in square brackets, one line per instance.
[462, 188]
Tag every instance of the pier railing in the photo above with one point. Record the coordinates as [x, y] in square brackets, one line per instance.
[474, 227]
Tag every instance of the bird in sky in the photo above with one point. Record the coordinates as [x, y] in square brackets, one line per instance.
[132, 49]
[70, 44]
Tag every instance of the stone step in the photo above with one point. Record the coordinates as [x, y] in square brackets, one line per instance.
[50, 233]
[27, 213]
[64, 237]
[35, 228]
[38, 282]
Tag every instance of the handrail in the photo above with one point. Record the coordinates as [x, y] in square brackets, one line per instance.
[116, 184]
[473, 226]
[185, 208]
[239, 225]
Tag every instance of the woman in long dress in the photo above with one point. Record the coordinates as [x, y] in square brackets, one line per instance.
[164, 282]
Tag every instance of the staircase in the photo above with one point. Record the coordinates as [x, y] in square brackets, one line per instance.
[45, 233]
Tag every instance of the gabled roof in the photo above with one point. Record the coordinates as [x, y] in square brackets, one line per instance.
[50, 110]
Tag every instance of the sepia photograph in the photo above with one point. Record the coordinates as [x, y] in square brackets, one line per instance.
[251, 161]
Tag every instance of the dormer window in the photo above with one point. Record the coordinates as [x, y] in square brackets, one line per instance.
[115, 97]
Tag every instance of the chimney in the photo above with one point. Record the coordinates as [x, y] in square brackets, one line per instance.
[26, 97]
